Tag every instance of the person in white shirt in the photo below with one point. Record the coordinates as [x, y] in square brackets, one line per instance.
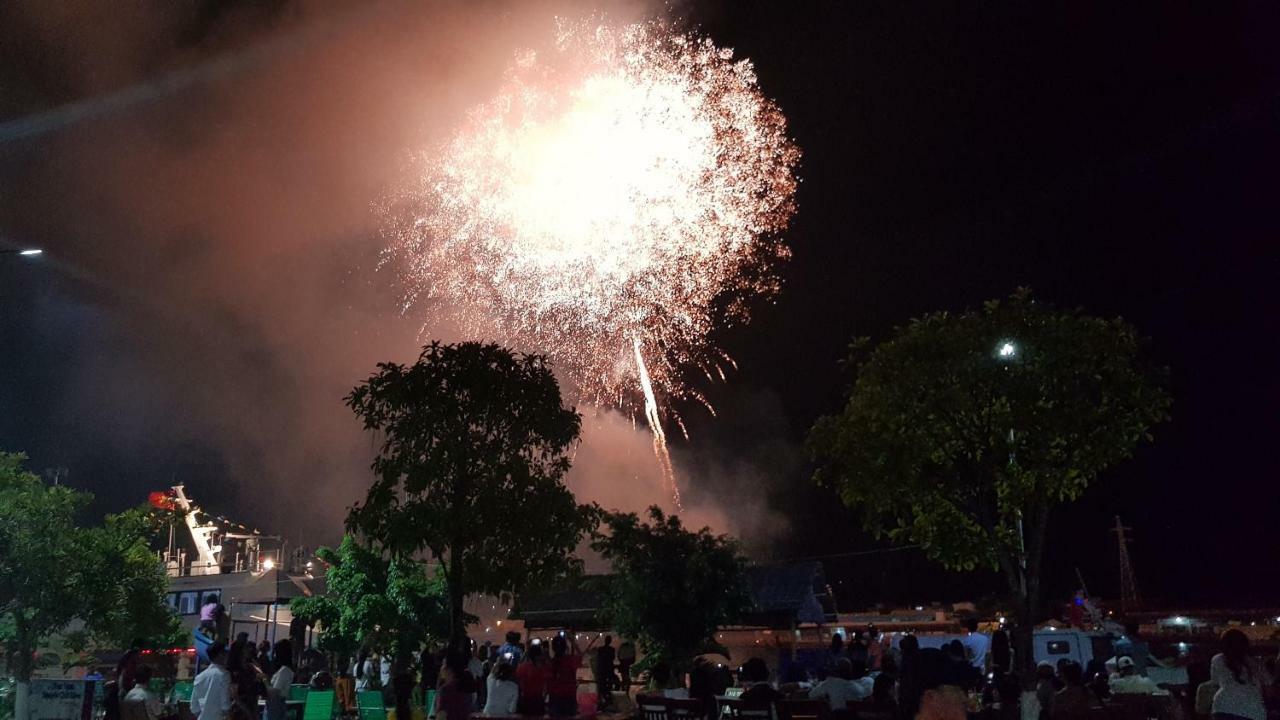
[139, 703]
[1127, 681]
[211, 692]
[281, 679]
[365, 672]
[849, 683]
[976, 645]
[503, 691]
[1240, 680]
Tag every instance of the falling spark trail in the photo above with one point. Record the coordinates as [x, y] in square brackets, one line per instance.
[628, 183]
[655, 424]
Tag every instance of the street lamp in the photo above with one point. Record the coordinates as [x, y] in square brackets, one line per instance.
[1007, 350]
[28, 252]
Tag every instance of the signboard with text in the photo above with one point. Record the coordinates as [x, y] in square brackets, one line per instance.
[53, 699]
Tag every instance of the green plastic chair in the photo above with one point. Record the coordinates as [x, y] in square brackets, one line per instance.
[319, 705]
[370, 705]
[299, 692]
[182, 691]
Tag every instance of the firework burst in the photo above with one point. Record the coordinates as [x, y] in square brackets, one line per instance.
[619, 196]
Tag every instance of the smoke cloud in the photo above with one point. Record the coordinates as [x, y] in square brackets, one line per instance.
[205, 172]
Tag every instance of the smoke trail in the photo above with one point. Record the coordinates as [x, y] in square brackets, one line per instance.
[655, 425]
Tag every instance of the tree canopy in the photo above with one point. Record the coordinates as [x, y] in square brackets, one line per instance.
[475, 442]
[672, 588]
[963, 431]
[392, 605]
[54, 572]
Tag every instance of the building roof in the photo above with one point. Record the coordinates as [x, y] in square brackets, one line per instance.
[783, 595]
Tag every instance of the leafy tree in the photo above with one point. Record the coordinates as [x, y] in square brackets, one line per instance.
[53, 572]
[962, 432]
[391, 605]
[672, 588]
[475, 444]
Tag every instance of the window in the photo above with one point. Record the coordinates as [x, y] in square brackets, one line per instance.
[1059, 647]
[189, 602]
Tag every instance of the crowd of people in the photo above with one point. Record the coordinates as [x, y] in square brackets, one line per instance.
[973, 675]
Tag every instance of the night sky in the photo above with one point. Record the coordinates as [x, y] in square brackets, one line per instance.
[1118, 158]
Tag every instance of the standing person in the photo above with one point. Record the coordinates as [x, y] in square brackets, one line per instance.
[531, 676]
[856, 650]
[456, 697]
[247, 680]
[976, 645]
[1001, 652]
[875, 647]
[626, 658]
[835, 652]
[211, 691]
[485, 660]
[511, 650]
[1240, 680]
[503, 693]
[122, 681]
[402, 688]
[911, 680]
[264, 654]
[281, 679]
[606, 656]
[562, 682]
[365, 671]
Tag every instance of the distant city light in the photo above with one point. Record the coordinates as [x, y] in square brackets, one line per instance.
[1008, 350]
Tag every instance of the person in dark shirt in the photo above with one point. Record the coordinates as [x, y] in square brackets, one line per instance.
[755, 678]
[606, 656]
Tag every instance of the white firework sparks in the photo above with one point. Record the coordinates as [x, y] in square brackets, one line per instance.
[618, 197]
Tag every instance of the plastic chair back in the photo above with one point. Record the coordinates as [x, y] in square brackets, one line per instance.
[299, 692]
[319, 705]
[182, 691]
[370, 705]
[652, 707]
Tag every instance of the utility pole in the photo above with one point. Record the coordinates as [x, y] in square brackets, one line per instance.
[1130, 600]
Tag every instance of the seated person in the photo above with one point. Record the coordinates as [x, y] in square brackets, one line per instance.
[140, 703]
[1074, 700]
[755, 682]
[847, 683]
[1127, 681]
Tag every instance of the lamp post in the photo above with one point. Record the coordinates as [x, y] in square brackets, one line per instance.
[273, 567]
[1007, 352]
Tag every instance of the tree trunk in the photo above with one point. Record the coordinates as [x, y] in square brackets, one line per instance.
[1024, 586]
[22, 674]
[457, 624]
